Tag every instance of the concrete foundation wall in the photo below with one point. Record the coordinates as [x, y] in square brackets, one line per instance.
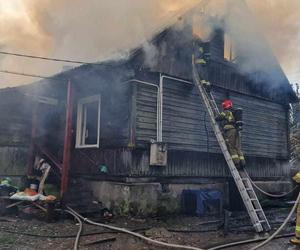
[146, 198]
[158, 199]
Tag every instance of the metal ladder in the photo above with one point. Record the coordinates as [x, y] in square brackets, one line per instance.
[251, 202]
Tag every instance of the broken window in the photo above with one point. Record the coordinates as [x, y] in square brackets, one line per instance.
[88, 122]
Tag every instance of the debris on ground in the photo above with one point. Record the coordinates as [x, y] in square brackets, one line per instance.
[17, 233]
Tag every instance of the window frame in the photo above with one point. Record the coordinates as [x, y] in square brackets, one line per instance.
[80, 126]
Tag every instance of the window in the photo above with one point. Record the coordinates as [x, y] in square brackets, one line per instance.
[229, 52]
[88, 122]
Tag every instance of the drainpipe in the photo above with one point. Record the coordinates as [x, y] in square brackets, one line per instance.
[161, 87]
[161, 83]
[158, 105]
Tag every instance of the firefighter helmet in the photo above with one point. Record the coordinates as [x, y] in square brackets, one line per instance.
[227, 104]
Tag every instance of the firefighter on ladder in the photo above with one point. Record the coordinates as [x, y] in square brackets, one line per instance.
[230, 120]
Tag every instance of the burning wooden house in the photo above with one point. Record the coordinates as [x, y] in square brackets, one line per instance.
[135, 131]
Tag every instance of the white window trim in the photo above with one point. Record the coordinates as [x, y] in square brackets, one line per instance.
[79, 128]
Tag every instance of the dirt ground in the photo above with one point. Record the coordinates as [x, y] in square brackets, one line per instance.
[17, 232]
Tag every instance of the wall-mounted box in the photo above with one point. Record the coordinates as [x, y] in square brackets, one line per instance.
[158, 154]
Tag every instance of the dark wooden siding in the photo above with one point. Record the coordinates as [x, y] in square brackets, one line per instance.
[15, 131]
[135, 163]
[15, 113]
[196, 164]
[266, 127]
[108, 82]
[88, 161]
[146, 114]
[186, 125]
[114, 134]
[115, 123]
[226, 75]
[13, 160]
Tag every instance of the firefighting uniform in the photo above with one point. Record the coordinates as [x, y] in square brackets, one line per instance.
[232, 136]
[296, 239]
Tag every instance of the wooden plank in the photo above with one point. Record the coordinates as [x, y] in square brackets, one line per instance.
[133, 116]
[104, 240]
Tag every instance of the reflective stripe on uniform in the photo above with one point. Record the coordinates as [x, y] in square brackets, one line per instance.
[235, 157]
[226, 127]
[200, 61]
[242, 157]
[298, 228]
[229, 116]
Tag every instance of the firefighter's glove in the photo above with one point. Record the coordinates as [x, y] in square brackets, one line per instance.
[219, 117]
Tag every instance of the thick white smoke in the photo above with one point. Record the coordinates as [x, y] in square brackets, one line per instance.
[95, 30]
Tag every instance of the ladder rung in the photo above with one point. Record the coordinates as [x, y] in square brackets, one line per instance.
[258, 210]
[250, 189]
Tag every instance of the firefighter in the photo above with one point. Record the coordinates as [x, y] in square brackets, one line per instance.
[231, 131]
[296, 239]
[202, 59]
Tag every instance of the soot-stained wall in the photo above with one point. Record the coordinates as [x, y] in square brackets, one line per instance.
[186, 124]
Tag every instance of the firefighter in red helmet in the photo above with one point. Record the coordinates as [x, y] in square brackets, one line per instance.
[231, 127]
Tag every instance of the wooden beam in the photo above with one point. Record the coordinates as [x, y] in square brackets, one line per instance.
[67, 141]
[53, 160]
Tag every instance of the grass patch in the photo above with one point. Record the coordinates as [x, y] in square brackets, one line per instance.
[7, 240]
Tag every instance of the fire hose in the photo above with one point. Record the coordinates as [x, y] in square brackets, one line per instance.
[79, 230]
[156, 242]
[123, 230]
[281, 227]
[269, 194]
[267, 240]
[78, 217]
[244, 242]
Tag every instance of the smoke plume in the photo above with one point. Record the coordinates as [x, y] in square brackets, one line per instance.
[96, 30]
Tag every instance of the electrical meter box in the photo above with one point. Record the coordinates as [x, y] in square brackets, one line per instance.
[158, 154]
